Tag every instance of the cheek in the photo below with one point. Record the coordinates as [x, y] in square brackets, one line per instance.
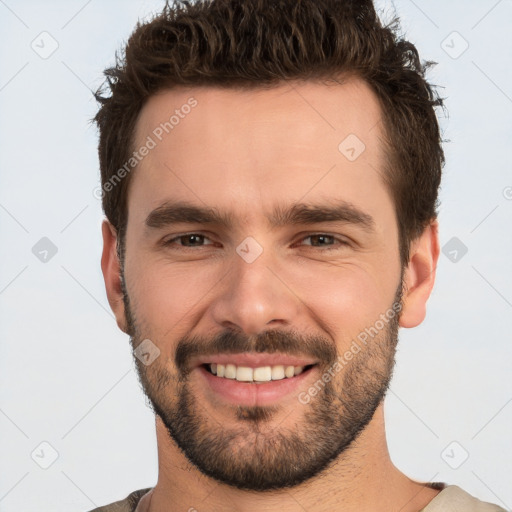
[342, 298]
[165, 294]
[345, 298]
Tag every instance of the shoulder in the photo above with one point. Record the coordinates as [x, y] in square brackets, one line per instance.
[454, 499]
[129, 504]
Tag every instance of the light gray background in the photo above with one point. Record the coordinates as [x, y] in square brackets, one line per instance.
[66, 372]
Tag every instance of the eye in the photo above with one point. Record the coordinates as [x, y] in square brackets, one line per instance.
[325, 241]
[187, 240]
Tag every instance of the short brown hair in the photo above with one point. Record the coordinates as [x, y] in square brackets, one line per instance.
[261, 43]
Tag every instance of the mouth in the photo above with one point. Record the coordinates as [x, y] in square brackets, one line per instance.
[257, 375]
[254, 379]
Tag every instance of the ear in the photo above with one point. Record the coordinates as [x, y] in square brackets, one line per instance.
[419, 276]
[110, 267]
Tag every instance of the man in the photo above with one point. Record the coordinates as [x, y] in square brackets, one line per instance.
[270, 172]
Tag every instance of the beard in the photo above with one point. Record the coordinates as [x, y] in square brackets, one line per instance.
[251, 450]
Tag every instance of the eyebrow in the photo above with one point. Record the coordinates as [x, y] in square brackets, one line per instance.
[181, 212]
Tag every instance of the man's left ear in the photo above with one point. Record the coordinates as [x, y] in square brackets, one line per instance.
[419, 276]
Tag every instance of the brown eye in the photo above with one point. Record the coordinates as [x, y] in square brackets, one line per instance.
[323, 240]
[188, 240]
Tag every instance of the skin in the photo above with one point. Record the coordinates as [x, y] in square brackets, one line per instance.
[244, 152]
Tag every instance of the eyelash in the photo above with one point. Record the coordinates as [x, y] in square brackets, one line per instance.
[170, 242]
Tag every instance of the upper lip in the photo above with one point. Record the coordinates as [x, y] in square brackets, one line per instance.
[255, 360]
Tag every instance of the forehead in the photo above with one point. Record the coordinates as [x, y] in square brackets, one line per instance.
[248, 150]
[333, 110]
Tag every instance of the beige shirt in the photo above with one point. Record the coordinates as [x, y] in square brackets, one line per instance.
[451, 499]
[454, 499]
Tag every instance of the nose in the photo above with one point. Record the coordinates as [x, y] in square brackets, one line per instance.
[255, 296]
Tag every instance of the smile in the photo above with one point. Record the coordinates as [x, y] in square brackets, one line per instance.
[259, 374]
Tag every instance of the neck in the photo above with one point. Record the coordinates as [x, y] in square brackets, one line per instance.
[363, 478]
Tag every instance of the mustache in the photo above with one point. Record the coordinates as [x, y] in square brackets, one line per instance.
[270, 341]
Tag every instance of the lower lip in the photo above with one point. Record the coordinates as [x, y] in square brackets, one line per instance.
[252, 393]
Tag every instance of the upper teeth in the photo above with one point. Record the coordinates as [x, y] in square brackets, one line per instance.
[261, 374]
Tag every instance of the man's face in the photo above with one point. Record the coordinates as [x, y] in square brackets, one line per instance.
[271, 281]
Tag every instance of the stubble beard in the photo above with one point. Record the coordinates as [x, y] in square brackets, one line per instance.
[251, 450]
